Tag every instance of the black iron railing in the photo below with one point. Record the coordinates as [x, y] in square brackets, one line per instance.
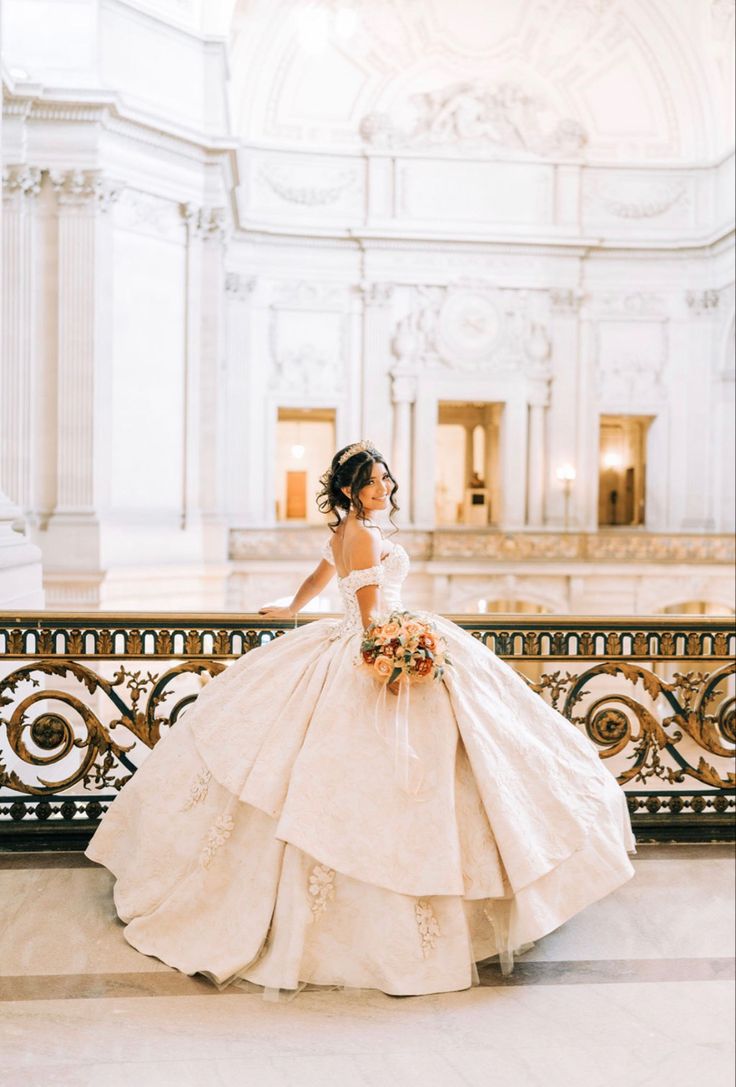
[83, 697]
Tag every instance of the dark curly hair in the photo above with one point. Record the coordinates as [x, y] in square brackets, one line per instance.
[354, 473]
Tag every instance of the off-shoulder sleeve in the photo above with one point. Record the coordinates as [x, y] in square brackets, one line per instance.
[358, 579]
[326, 552]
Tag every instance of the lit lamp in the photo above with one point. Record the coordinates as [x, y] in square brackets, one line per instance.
[297, 452]
[567, 476]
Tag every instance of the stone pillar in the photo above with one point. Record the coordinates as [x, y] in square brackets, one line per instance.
[83, 389]
[203, 489]
[537, 350]
[191, 435]
[403, 395]
[239, 468]
[514, 463]
[21, 187]
[537, 468]
[375, 414]
[562, 414]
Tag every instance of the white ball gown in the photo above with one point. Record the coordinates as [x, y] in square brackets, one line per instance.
[270, 838]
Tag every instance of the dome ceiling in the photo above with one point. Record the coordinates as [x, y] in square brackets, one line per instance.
[601, 80]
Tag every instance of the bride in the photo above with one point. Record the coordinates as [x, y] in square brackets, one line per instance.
[274, 836]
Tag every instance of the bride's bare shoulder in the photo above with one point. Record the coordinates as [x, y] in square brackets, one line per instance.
[362, 544]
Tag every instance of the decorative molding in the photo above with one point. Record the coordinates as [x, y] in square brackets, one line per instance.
[306, 371]
[204, 221]
[619, 546]
[78, 187]
[283, 183]
[466, 329]
[377, 294]
[629, 304]
[650, 201]
[309, 295]
[631, 356]
[22, 179]
[239, 288]
[703, 303]
[477, 115]
[566, 301]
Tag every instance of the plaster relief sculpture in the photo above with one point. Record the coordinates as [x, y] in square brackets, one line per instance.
[287, 185]
[631, 360]
[506, 117]
[306, 371]
[467, 329]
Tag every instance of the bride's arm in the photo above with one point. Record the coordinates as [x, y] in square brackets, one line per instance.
[309, 588]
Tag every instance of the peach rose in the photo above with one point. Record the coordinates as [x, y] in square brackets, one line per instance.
[383, 666]
[429, 642]
[412, 628]
[391, 630]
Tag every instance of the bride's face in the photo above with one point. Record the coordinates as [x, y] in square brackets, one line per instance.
[375, 494]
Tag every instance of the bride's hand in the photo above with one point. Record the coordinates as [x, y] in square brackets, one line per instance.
[270, 611]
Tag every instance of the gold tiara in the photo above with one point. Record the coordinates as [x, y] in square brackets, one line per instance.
[360, 447]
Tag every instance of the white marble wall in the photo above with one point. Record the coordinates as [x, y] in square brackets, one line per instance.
[209, 216]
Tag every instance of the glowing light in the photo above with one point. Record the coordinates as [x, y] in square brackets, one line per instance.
[566, 473]
[482, 606]
[297, 452]
[612, 460]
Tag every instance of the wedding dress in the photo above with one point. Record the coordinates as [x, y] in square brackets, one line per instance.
[267, 837]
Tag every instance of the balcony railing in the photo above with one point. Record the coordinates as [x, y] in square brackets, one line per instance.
[83, 698]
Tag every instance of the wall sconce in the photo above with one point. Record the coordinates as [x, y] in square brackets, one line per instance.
[613, 461]
[297, 452]
[567, 476]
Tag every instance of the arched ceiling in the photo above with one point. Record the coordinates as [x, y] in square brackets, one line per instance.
[613, 80]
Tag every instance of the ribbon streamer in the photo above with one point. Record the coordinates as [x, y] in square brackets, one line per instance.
[392, 725]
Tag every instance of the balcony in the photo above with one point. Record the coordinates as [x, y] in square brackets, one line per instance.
[84, 697]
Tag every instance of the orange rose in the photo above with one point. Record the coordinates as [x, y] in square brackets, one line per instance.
[429, 642]
[383, 666]
[423, 666]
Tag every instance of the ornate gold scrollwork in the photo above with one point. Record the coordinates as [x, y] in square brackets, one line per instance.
[55, 733]
[617, 721]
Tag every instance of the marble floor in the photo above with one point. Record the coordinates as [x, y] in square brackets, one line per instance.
[637, 990]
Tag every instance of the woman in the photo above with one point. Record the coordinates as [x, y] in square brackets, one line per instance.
[299, 825]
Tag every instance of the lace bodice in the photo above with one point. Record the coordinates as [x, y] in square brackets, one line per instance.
[389, 574]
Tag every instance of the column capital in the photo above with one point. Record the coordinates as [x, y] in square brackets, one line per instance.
[239, 288]
[77, 188]
[204, 221]
[566, 301]
[377, 294]
[702, 303]
[403, 387]
[22, 180]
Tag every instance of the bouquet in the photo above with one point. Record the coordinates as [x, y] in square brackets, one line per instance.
[404, 644]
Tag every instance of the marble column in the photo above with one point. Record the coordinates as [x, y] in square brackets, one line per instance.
[536, 462]
[18, 376]
[514, 425]
[403, 395]
[375, 415]
[562, 413]
[83, 377]
[239, 403]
